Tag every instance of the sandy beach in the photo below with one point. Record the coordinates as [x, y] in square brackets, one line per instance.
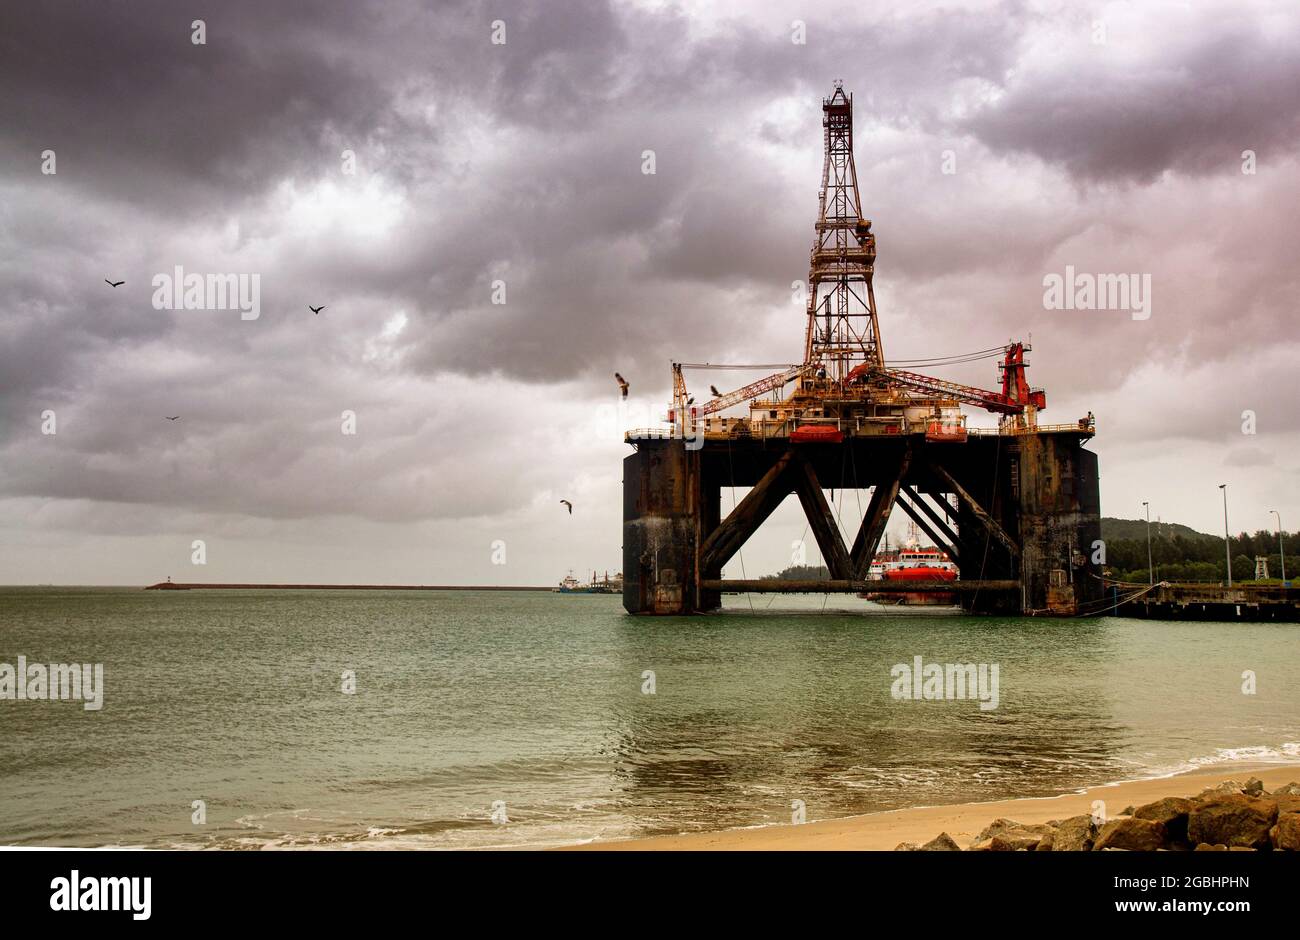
[884, 831]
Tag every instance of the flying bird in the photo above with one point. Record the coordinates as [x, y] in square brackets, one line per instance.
[170, 418]
[714, 390]
[113, 283]
[316, 310]
[691, 400]
[569, 504]
[622, 383]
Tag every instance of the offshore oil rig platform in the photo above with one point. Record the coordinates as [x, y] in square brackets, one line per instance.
[1016, 507]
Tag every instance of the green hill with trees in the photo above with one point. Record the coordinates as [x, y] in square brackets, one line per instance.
[1112, 528]
[1179, 553]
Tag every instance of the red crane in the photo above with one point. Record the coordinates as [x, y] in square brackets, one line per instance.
[1012, 400]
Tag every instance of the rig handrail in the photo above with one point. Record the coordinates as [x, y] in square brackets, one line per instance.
[1076, 428]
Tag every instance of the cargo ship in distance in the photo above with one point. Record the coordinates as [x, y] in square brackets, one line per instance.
[606, 585]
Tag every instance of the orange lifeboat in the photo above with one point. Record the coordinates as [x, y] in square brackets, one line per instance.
[937, 429]
[816, 434]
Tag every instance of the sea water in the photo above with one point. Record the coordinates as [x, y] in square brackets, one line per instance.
[359, 719]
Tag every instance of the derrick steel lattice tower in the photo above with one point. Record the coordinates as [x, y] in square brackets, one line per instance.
[842, 328]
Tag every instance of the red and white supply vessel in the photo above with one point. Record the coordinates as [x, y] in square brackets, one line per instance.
[914, 563]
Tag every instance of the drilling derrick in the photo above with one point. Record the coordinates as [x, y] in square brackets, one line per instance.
[843, 332]
[1015, 507]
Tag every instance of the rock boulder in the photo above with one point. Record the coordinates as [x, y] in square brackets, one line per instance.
[1232, 819]
[1131, 833]
[1074, 835]
[941, 843]
[1286, 834]
[1171, 812]
[1001, 825]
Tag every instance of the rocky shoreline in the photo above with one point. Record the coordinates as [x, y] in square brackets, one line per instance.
[1233, 816]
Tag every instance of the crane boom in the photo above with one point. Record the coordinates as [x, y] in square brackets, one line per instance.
[1015, 397]
[754, 389]
[991, 401]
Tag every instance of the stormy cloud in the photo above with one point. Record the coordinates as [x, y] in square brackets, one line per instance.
[515, 170]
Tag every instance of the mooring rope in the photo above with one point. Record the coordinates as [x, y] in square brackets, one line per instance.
[839, 515]
[740, 552]
[988, 536]
[1126, 600]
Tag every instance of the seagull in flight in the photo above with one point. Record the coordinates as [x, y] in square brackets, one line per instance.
[170, 417]
[113, 283]
[316, 310]
[569, 504]
[714, 390]
[622, 383]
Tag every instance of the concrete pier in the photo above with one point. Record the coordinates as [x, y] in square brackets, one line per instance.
[1193, 601]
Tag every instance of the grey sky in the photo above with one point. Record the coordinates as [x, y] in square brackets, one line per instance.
[523, 162]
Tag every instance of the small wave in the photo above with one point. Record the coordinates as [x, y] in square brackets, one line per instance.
[1285, 753]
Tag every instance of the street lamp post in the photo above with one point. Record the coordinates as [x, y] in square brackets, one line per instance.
[1150, 570]
[1227, 543]
[1280, 550]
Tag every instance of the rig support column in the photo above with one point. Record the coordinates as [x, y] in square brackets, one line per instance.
[662, 516]
[1060, 525]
